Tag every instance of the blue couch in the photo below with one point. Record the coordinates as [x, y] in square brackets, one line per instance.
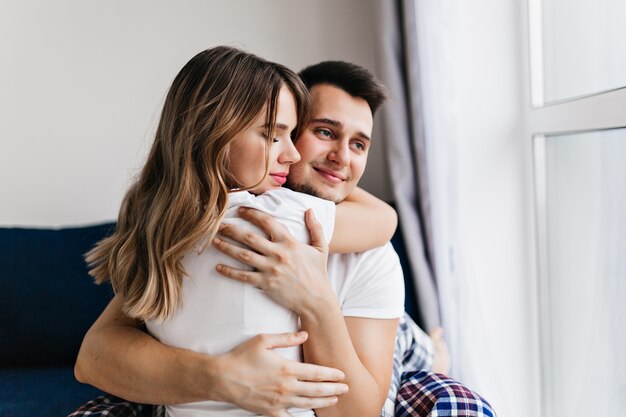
[47, 303]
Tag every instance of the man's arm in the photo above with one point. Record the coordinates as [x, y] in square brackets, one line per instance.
[295, 276]
[353, 223]
[363, 349]
[118, 357]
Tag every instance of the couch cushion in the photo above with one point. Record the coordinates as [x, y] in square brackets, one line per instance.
[47, 301]
[46, 392]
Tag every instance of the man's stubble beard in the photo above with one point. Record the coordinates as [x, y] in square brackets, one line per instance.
[307, 188]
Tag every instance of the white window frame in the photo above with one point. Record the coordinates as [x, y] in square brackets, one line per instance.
[598, 111]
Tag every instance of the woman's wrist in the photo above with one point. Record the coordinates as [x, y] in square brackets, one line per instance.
[216, 369]
[202, 376]
[319, 305]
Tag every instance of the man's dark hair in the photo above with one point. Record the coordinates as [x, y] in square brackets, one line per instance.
[353, 79]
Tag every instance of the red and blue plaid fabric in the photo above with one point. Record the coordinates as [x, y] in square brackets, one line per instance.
[110, 406]
[427, 394]
[413, 351]
[414, 390]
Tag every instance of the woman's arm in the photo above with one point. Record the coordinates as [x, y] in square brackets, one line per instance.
[118, 357]
[362, 222]
[294, 275]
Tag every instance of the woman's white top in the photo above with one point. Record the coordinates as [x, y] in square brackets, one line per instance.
[219, 313]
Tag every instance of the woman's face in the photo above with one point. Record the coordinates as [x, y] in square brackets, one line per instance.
[247, 149]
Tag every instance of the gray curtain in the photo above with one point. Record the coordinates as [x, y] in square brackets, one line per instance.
[402, 134]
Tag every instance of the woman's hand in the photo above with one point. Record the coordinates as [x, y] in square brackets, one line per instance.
[290, 272]
[119, 357]
[258, 380]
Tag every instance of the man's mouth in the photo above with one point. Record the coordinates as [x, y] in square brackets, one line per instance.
[330, 175]
[279, 177]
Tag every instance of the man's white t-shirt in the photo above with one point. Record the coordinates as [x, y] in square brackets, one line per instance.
[368, 284]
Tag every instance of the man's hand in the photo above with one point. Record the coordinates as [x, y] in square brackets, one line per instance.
[258, 380]
[290, 272]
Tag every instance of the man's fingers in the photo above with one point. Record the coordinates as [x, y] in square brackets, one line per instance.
[244, 255]
[315, 230]
[274, 230]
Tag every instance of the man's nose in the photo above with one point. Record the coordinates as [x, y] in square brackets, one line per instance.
[340, 154]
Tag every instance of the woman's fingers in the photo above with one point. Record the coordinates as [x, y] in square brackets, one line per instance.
[249, 277]
[282, 413]
[273, 229]
[315, 230]
[244, 255]
[320, 389]
[313, 402]
[317, 373]
[254, 241]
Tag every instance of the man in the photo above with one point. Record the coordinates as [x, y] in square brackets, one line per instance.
[351, 331]
[350, 313]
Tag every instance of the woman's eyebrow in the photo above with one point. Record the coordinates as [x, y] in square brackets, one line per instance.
[281, 126]
[277, 126]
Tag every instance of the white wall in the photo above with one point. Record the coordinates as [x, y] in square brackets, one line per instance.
[83, 82]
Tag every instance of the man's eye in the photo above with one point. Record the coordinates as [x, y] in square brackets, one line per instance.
[325, 132]
[359, 146]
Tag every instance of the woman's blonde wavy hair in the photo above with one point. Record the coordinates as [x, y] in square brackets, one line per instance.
[180, 195]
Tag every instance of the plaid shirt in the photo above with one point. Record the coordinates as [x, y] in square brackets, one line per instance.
[414, 391]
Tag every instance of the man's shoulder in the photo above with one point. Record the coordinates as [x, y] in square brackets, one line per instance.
[385, 254]
[369, 283]
[382, 251]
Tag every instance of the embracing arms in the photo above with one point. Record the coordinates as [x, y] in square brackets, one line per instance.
[118, 357]
[294, 275]
[362, 222]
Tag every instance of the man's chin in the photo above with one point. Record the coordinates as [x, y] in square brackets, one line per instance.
[308, 188]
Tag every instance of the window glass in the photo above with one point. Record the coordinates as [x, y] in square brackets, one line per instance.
[585, 291]
[584, 45]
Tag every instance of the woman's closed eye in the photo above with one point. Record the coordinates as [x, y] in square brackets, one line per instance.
[274, 139]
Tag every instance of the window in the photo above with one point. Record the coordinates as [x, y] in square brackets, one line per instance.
[578, 67]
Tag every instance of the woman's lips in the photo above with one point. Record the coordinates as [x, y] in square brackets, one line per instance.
[279, 177]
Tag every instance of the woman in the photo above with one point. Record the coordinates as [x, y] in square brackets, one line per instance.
[224, 136]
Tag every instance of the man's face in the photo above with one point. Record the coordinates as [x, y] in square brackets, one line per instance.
[334, 145]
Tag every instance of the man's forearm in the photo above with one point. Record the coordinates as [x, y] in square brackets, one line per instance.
[117, 356]
[127, 362]
[329, 344]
